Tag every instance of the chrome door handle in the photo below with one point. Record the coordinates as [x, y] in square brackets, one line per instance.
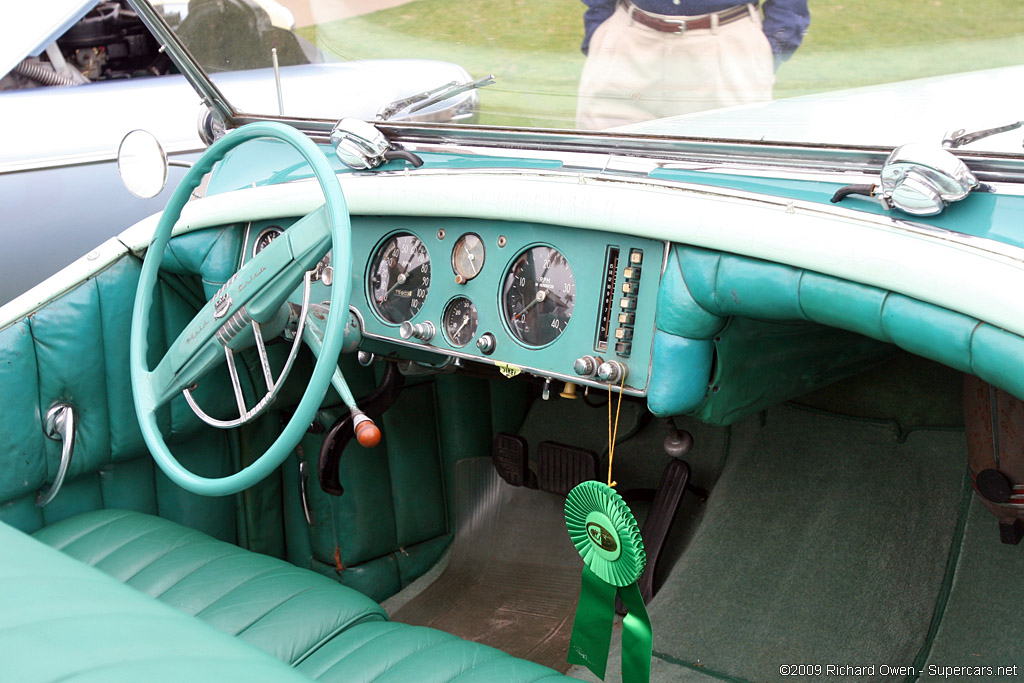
[59, 425]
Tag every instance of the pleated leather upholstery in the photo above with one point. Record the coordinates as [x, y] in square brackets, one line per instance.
[392, 653]
[328, 631]
[276, 606]
[63, 621]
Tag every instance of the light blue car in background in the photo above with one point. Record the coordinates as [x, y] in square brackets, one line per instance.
[63, 123]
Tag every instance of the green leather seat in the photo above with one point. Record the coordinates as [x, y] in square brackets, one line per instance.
[63, 621]
[274, 605]
[327, 631]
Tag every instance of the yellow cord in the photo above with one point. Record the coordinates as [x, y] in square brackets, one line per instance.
[613, 434]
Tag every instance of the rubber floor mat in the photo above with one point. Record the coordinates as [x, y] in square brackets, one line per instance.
[514, 576]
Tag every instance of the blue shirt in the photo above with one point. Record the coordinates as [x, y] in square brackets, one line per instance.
[785, 21]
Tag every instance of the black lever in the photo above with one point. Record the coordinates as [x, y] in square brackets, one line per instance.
[341, 432]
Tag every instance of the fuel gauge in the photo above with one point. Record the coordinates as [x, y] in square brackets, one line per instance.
[460, 321]
[468, 256]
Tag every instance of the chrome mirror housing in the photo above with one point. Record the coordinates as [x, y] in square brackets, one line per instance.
[922, 179]
[359, 144]
[142, 164]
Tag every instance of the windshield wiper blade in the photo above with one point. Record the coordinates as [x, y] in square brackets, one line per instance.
[960, 137]
[427, 98]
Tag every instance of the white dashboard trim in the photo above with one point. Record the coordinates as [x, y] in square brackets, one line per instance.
[975, 276]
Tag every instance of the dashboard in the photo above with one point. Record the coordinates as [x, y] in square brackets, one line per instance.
[561, 303]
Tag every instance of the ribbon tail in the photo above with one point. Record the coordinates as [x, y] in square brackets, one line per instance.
[637, 637]
[592, 627]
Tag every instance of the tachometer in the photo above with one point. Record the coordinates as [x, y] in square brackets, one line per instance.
[538, 296]
[399, 277]
[460, 321]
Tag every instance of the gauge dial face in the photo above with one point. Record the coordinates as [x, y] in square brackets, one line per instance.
[399, 278]
[468, 256]
[265, 237]
[460, 321]
[538, 295]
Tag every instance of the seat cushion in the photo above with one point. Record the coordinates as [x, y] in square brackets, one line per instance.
[278, 607]
[63, 621]
[391, 653]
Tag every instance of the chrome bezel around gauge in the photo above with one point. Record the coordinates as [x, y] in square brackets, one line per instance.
[543, 300]
[264, 238]
[419, 283]
[457, 307]
[465, 251]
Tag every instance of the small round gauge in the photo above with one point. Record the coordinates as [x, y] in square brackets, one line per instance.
[538, 295]
[468, 256]
[399, 277]
[265, 237]
[459, 321]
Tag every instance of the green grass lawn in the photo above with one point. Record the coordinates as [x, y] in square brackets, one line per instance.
[532, 46]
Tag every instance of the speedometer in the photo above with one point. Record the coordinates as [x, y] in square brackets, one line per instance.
[538, 296]
[399, 277]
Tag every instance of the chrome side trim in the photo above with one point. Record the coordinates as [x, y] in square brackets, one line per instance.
[86, 159]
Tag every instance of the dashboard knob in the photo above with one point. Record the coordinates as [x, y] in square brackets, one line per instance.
[423, 331]
[486, 343]
[612, 371]
[586, 366]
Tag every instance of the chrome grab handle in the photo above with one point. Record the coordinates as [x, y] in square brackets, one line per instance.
[59, 425]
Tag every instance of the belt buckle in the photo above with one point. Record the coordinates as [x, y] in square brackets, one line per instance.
[680, 24]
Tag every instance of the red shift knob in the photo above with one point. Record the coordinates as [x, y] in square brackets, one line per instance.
[367, 433]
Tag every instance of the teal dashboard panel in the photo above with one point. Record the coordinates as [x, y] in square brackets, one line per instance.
[525, 297]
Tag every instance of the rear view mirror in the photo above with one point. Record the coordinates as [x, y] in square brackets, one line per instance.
[142, 164]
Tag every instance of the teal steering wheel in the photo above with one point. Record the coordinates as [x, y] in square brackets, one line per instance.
[255, 296]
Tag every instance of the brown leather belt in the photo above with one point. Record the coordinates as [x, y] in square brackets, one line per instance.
[659, 23]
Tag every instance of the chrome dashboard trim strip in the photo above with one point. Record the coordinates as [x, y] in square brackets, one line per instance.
[498, 141]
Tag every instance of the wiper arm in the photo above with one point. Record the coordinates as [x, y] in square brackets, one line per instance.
[957, 138]
[427, 98]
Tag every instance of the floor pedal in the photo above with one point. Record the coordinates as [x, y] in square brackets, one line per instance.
[511, 457]
[561, 467]
[659, 522]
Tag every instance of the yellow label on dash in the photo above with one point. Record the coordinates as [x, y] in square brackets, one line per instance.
[509, 371]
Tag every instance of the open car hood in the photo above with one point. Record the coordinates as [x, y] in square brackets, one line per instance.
[30, 27]
[921, 110]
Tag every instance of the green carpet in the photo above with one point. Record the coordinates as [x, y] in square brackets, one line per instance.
[824, 542]
[907, 390]
[983, 625]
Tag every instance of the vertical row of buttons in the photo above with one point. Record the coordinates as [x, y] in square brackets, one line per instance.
[627, 304]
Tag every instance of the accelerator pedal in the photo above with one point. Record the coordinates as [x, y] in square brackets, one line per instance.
[560, 468]
[658, 524]
[511, 457]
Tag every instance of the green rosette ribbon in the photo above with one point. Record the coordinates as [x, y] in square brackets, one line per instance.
[606, 535]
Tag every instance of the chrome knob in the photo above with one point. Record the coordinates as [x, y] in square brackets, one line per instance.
[612, 371]
[423, 331]
[586, 366]
[486, 343]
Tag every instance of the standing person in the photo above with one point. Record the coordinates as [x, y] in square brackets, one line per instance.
[653, 58]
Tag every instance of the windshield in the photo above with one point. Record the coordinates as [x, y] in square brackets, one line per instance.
[822, 72]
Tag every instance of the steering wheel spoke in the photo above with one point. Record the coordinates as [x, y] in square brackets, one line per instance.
[252, 304]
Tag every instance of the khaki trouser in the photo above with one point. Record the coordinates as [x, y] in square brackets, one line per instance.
[635, 73]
